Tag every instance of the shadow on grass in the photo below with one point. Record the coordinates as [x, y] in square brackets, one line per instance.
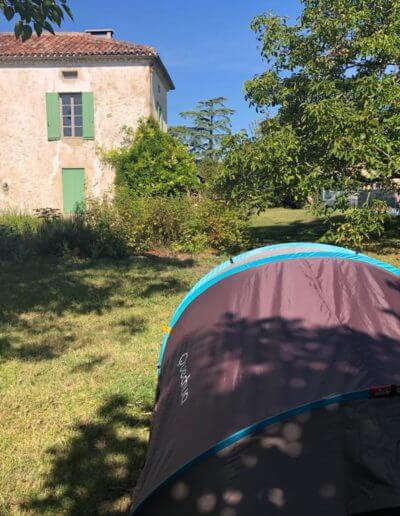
[89, 364]
[55, 288]
[165, 286]
[9, 349]
[313, 230]
[297, 231]
[389, 242]
[169, 261]
[132, 325]
[35, 295]
[94, 473]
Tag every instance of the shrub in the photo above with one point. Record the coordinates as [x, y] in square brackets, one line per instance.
[359, 225]
[187, 224]
[106, 228]
[162, 217]
[152, 162]
[226, 228]
[124, 227]
[90, 233]
[17, 235]
[184, 224]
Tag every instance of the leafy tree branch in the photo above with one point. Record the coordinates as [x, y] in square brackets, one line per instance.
[35, 15]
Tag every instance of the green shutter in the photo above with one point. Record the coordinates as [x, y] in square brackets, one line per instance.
[53, 116]
[88, 115]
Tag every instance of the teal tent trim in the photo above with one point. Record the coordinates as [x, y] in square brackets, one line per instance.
[260, 250]
[224, 272]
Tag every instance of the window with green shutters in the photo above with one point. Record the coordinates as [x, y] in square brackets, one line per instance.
[70, 115]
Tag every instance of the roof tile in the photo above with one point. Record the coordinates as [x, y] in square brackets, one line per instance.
[69, 44]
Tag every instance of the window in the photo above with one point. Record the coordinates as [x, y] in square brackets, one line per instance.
[71, 115]
[70, 74]
[159, 112]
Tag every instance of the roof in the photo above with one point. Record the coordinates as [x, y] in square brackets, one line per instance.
[70, 44]
[73, 46]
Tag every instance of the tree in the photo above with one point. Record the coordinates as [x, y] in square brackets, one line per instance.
[210, 123]
[333, 81]
[152, 162]
[258, 172]
[37, 15]
[330, 94]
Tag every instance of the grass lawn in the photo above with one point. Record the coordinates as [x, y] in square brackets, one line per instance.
[279, 225]
[78, 351]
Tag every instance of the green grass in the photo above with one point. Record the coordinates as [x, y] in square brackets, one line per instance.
[279, 225]
[78, 350]
[282, 225]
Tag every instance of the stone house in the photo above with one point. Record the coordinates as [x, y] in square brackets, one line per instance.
[62, 98]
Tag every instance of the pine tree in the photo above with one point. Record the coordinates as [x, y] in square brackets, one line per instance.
[210, 123]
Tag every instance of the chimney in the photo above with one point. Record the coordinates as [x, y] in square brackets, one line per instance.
[101, 33]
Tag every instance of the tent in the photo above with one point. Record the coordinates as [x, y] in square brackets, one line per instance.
[278, 390]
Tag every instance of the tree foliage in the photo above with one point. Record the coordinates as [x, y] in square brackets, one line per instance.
[332, 80]
[259, 172]
[330, 98]
[152, 162]
[210, 124]
[35, 15]
[359, 225]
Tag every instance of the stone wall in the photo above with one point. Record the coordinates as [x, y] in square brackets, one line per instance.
[30, 165]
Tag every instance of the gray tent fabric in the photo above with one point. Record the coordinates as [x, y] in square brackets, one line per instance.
[266, 400]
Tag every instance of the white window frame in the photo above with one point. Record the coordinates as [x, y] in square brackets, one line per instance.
[73, 105]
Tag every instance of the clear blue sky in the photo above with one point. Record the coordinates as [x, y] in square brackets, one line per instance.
[207, 45]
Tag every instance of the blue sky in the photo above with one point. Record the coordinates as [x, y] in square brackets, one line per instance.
[207, 45]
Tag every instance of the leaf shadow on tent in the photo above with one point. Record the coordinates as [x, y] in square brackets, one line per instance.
[296, 466]
[242, 371]
[396, 287]
[286, 353]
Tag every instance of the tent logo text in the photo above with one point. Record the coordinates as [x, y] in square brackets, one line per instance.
[182, 364]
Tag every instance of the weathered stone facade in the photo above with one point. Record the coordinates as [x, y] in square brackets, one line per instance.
[124, 90]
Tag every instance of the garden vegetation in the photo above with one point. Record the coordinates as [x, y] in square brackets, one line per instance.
[158, 204]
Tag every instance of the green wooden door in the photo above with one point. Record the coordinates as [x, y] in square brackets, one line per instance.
[73, 180]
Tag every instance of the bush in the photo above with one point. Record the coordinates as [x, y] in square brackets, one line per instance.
[226, 228]
[160, 219]
[359, 225]
[124, 227]
[93, 233]
[152, 162]
[17, 235]
[186, 224]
